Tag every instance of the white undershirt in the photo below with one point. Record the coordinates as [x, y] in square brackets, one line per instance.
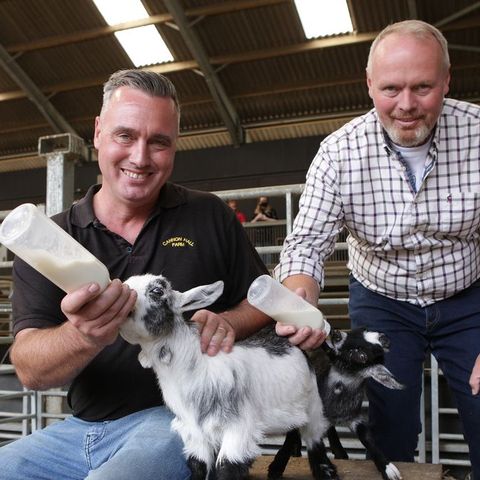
[415, 158]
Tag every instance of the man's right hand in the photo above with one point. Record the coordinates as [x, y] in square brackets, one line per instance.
[51, 357]
[306, 338]
[99, 315]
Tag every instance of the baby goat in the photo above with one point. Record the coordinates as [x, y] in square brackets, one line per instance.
[225, 405]
[342, 367]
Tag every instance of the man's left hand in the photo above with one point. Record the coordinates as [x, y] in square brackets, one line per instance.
[215, 332]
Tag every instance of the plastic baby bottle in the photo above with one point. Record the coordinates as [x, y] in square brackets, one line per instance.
[40, 242]
[283, 305]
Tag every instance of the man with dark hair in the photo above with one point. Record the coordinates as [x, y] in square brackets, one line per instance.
[135, 222]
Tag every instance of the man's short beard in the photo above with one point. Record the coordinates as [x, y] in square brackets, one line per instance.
[420, 136]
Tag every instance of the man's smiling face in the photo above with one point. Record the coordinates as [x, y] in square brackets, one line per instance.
[407, 83]
[135, 136]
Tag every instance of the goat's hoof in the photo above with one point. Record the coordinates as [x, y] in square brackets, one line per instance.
[327, 472]
[275, 471]
[274, 475]
[391, 472]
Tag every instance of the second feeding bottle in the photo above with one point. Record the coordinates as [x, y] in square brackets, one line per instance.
[283, 305]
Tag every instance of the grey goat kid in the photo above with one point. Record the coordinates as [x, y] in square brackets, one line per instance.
[225, 405]
[342, 366]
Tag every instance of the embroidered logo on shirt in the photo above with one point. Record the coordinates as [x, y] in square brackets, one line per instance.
[178, 242]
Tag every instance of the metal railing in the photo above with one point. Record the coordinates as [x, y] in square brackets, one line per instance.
[16, 422]
[27, 411]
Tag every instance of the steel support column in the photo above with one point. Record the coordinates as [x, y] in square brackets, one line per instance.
[61, 152]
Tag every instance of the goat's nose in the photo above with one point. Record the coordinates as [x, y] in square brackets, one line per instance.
[335, 335]
[358, 356]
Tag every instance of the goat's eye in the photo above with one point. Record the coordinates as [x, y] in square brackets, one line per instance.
[157, 291]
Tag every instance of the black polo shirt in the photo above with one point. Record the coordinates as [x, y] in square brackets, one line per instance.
[192, 238]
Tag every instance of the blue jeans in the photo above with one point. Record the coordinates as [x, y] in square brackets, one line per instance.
[140, 445]
[450, 329]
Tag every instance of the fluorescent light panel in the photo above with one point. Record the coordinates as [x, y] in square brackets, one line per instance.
[324, 17]
[143, 45]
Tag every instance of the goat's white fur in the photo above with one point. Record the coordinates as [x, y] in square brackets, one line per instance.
[393, 472]
[372, 337]
[274, 393]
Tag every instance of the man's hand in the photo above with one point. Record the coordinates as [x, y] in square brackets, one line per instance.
[475, 377]
[215, 332]
[306, 338]
[99, 315]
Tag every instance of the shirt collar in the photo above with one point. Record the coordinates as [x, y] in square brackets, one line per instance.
[171, 195]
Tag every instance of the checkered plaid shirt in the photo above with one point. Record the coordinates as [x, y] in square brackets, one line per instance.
[419, 247]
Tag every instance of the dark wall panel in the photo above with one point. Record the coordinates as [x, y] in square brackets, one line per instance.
[251, 165]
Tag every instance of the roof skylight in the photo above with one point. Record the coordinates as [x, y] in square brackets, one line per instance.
[324, 17]
[143, 45]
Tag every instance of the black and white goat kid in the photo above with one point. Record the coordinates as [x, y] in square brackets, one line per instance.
[342, 366]
[225, 405]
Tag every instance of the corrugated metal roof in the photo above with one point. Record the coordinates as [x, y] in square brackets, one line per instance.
[280, 84]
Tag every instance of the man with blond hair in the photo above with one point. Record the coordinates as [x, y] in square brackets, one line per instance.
[404, 180]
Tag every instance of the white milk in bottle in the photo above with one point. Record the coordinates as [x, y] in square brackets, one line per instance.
[45, 246]
[283, 305]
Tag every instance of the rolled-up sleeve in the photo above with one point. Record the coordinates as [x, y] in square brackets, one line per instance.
[317, 225]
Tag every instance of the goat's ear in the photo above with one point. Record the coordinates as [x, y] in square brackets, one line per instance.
[199, 297]
[382, 375]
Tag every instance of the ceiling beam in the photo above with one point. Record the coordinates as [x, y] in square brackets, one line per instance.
[353, 14]
[224, 106]
[166, 68]
[260, 92]
[208, 10]
[49, 112]
[456, 15]
[464, 48]
[90, 82]
[296, 48]
[94, 33]
[241, 57]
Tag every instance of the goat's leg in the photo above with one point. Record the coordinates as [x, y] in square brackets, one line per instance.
[238, 450]
[335, 445]
[289, 447]
[387, 469]
[297, 446]
[313, 433]
[227, 470]
[198, 468]
[200, 454]
[320, 465]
